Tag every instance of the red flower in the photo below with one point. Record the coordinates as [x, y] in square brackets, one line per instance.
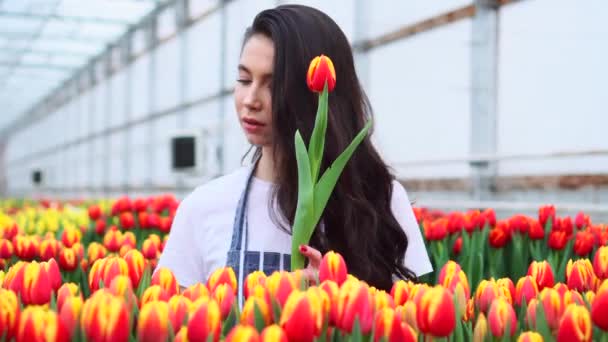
[536, 231]
[321, 71]
[584, 243]
[94, 212]
[557, 240]
[545, 213]
[582, 221]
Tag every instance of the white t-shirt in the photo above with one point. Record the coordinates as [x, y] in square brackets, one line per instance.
[202, 229]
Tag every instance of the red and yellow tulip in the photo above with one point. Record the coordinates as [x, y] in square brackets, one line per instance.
[320, 71]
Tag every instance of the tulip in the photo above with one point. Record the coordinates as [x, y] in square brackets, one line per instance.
[26, 247]
[499, 237]
[457, 248]
[224, 296]
[401, 291]
[519, 223]
[545, 214]
[600, 262]
[154, 293]
[542, 273]
[471, 221]
[37, 323]
[557, 240]
[70, 236]
[65, 291]
[248, 313]
[580, 275]
[96, 251]
[113, 240]
[127, 221]
[355, 302]
[530, 336]
[32, 281]
[121, 286]
[273, 333]
[166, 279]
[436, 313]
[390, 327]
[561, 288]
[6, 249]
[179, 307]
[599, 308]
[535, 230]
[128, 239]
[436, 230]
[572, 297]
[104, 270]
[100, 227]
[381, 299]
[302, 317]
[94, 212]
[321, 71]
[455, 222]
[575, 325]
[9, 313]
[584, 243]
[552, 306]
[196, 291]
[182, 335]
[333, 267]
[407, 314]
[481, 328]
[500, 316]
[205, 322]
[135, 265]
[451, 277]
[582, 221]
[69, 259]
[525, 289]
[507, 283]
[485, 294]
[332, 290]
[280, 285]
[152, 323]
[243, 333]
[165, 224]
[105, 317]
[69, 313]
[254, 278]
[49, 249]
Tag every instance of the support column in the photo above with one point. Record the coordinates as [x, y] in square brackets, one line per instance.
[152, 79]
[484, 83]
[221, 147]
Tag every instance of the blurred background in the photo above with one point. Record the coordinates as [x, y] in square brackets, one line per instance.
[478, 104]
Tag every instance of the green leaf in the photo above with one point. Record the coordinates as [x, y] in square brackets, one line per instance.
[356, 335]
[561, 271]
[144, 282]
[541, 322]
[317, 139]
[329, 179]
[276, 309]
[259, 322]
[302, 226]
[230, 321]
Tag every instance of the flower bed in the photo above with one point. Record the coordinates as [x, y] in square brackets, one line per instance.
[82, 271]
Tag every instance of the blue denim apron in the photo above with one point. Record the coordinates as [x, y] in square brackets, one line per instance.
[238, 254]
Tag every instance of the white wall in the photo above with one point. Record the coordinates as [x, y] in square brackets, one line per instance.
[552, 79]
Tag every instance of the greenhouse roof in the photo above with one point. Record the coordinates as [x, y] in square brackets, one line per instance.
[45, 42]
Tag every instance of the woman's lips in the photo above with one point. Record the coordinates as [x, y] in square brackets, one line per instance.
[252, 125]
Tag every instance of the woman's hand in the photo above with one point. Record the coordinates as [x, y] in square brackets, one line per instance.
[311, 272]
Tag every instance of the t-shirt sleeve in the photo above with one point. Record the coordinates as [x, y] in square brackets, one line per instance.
[181, 255]
[416, 255]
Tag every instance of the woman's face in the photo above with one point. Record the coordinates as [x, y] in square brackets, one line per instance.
[252, 93]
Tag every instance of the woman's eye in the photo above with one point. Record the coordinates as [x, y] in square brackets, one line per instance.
[243, 81]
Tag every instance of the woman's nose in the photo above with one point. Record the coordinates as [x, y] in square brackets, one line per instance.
[252, 98]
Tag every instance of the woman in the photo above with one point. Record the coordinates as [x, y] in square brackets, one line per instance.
[243, 219]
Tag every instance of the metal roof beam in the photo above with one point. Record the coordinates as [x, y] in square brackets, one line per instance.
[46, 52]
[28, 36]
[67, 68]
[35, 16]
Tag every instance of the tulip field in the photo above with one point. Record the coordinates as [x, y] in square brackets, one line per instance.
[82, 271]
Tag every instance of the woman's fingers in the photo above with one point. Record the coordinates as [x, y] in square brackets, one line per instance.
[311, 275]
[313, 255]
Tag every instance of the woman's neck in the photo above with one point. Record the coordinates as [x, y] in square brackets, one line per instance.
[265, 168]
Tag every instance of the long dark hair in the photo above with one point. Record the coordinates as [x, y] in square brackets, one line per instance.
[357, 221]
